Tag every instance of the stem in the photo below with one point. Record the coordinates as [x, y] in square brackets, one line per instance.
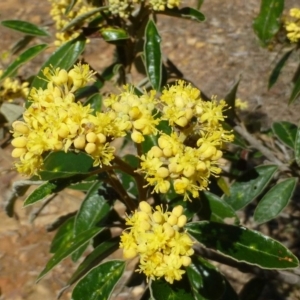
[115, 182]
[126, 168]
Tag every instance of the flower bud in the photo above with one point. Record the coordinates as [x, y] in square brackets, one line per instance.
[164, 187]
[201, 166]
[182, 121]
[19, 142]
[140, 124]
[101, 138]
[137, 137]
[20, 127]
[91, 137]
[129, 253]
[167, 152]
[172, 220]
[18, 152]
[145, 207]
[135, 113]
[63, 131]
[90, 148]
[168, 230]
[177, 211]
[188, 171]
[158, 217]
[218, 155]
[79, 142]
[181, 221]
[186, 261]
[156, 152]
[162, 172]
[144, 225]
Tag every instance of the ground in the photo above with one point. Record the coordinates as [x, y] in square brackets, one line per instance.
[213, 55]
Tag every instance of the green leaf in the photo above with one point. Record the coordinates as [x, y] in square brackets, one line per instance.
[162, 290]
[72, 246]
[64, 57]
[25, 27]
[243, 244]
[216, 209]
[99, 283]
[285, 132]
[206, 281]
[267, 23]
[63, 236]
[230, 100]
[250, 185]
[275, 200]
[295, 91]
[21, 44]
[61, 165]
[93, 210]
[23, 58]
[70, 7]
[40, 193]
[152, 52]
[297, 146]
[95, 101]
[95, 257]
[276, 71]
[111, 34]
[185, 13]
[149, 142]
[84, 185]
[253, 289]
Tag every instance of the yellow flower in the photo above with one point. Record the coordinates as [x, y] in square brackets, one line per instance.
[159, 241]
[292, 25]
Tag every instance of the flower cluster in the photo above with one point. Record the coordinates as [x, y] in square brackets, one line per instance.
[293, 26]
[12, 88]
[54, 122]
[61, 19]
[159, 240]
[190, 154]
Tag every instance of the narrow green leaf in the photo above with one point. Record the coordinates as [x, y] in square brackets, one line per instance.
[64, 57]
[206, 281]
[70, 248]
[275, 200]
[61, 165]
[111, 34]
[278, 67]
[297, 146]
[82, 17]
[267, 23]
[152, 53]
[93, 210]
[63, 237]
[21, 44]
[99, 283]
[185, 13]
[25, 27]
[295, 91]
[286, 132]
[95, 101]
[216, 209]
[23, 58]
[95, 257]
[162, 290]
[243, 244]
[40, 193]
[250, 185]
[230, 100]
[70, 7]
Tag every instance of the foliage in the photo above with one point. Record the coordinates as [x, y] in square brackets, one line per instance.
[181, 145]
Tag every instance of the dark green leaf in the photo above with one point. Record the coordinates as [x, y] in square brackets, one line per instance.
[253, 289]
[95, 101]
[276, 71]
[295, 91]
[25, 27]
[82, 17]
[230, 100]
[185, 13]
[84, 185]
[243, 245]
[63, 236]
[267, 23]
[216, 209]
[99, 283]
[93, 210]
[72, 246]
[162, 290]
[249, 186]
[95, 257]
[149, 142]
[297, 146]
[64, 57]
[286, 132]
[23, 58]
[152, 53]
[275, 200]
[206, 281]
[39, 193]
[21, 44]
[111, 34]
[61, 165]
